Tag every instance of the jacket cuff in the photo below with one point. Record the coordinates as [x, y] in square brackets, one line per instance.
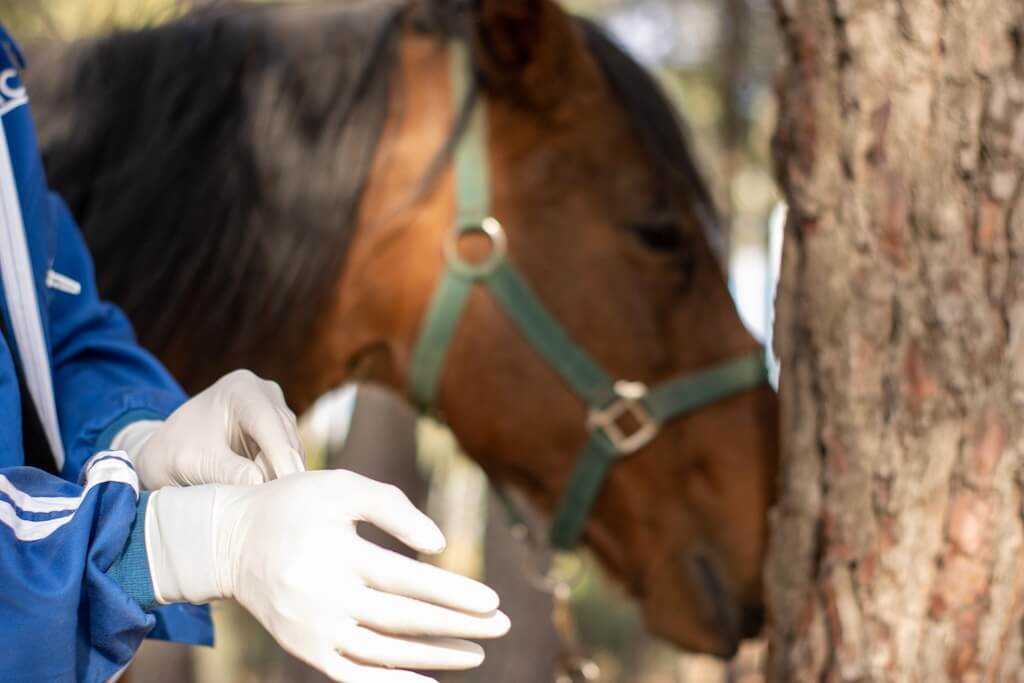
[108, 416]
[107, 437]
[131, 570]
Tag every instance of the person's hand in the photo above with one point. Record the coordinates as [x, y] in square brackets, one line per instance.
[288, 551]
[238, 431]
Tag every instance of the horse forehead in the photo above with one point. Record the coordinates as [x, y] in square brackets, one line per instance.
[590, 153]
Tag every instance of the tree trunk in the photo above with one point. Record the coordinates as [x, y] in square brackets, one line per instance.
[897, 541]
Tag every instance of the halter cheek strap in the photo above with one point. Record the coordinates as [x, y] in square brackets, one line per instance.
[609, 401]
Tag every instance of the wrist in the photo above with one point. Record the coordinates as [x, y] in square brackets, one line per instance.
[181, 545]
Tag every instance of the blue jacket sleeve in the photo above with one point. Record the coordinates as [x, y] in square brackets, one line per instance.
[103, 380]
[67, 554]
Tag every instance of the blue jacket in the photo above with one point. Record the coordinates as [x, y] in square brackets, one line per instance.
[75, 594]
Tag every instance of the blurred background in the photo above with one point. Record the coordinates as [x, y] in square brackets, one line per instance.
[716, 59]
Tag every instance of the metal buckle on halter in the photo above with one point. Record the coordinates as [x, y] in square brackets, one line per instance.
[490, 228]
[629, 403]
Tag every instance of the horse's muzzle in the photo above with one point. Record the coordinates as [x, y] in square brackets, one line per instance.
[731, 617]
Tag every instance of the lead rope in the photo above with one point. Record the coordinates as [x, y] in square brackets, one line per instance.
[574, 664]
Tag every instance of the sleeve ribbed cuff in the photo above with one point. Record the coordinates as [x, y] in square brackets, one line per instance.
[131, 569]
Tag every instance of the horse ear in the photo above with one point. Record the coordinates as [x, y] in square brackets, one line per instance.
[525, 46]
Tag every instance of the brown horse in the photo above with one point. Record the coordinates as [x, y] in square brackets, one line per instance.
[271, 187]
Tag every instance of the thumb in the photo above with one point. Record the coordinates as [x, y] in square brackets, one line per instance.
[224, 466]
[388, 509]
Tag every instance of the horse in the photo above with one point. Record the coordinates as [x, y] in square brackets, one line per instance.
[486, 205]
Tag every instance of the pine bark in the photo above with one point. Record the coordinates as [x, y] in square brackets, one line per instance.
[897, 550]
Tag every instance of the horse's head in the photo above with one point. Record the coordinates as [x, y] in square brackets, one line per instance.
[245, 134]
[607, 223]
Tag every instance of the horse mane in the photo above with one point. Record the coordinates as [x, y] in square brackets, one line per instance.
[226, 153]
[178, 145]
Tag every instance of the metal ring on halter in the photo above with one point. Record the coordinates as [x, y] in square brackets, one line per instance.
[491, 228]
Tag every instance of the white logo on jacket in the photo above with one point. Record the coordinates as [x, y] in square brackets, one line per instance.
[12, 92]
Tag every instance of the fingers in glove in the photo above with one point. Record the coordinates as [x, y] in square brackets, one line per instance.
[399, 615]
[291, 424]
[275, 395]
[448, 654]
[288, 415]
[230, 468]
[393, 573]
[387, 508]
[344, 670]
[277, 439]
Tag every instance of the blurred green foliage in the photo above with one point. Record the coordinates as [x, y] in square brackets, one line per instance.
[72, 18]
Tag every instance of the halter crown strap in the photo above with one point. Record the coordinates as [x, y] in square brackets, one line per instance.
[472, 206]
[608, 401]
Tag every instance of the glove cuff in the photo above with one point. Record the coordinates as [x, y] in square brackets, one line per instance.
[132, 439]
[180, 544]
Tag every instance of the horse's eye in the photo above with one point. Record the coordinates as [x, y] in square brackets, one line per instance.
[659, 235]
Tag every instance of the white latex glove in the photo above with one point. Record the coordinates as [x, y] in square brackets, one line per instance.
[289, 553]
[239, 431]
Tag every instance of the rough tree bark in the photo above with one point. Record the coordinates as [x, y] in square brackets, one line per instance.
[897, 543]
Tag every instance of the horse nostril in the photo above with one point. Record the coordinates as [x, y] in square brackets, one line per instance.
[721, 609]
[751, 620]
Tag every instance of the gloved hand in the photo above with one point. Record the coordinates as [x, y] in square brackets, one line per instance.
[289, 553]
[238, 431]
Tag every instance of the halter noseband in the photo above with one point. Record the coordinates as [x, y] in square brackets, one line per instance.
[608, 400]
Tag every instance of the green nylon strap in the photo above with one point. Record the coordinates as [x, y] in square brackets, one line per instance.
[548, 337]
[472, 174]
[679, 396]
[664, 402]
[440, 321]
[472, 207]
[585, 482]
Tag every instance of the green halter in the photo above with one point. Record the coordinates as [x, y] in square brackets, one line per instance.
[608, 400]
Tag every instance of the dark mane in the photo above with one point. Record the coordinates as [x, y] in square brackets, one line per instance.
[178, 145]
[199, 118]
